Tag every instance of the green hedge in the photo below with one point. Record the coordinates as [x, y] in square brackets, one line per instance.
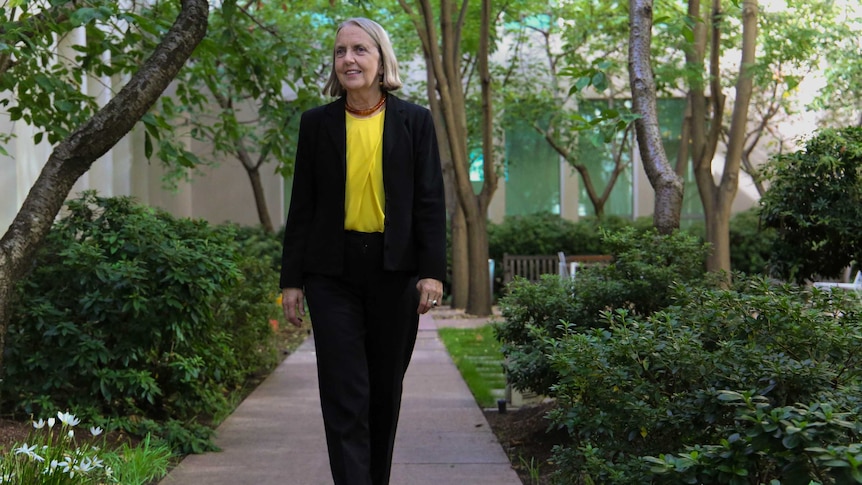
[139, 320]
[545, 233]
[664, 375]
[745, 385]
[638, 280]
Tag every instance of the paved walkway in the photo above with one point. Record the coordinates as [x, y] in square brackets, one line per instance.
[276, 435]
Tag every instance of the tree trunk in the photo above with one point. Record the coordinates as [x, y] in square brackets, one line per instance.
[460, 259]
[460, 276]
[444, 60]
[719, 259]
[667, 184]
[253, 171]
[479, 300]
[73, 156]
[718, 234]
[718, 198]
[260, 200]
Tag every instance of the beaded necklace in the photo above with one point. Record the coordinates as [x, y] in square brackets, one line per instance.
[366, 112]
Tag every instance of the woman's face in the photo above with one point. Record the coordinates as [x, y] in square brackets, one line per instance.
[357, 61]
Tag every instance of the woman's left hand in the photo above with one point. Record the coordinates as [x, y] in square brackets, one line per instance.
[430, 294]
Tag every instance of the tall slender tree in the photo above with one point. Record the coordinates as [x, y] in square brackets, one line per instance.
[707, 112]
[665, 181]
[444, 56]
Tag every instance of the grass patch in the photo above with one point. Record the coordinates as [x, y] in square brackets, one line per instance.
[476, 353]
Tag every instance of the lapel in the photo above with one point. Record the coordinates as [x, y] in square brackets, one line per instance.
[393, 126]
[337, 129]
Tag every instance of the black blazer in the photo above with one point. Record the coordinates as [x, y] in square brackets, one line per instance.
[415, 214]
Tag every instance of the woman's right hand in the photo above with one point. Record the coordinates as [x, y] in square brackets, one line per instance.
[293, 304]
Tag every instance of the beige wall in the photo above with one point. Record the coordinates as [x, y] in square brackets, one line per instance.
[223, 194]
[219, 194]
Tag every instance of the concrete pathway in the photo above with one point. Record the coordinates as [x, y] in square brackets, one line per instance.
[276, 435]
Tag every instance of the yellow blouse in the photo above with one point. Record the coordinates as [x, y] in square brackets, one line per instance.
[364, 198]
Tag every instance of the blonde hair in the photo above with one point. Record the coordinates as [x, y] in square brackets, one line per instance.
[391, 78]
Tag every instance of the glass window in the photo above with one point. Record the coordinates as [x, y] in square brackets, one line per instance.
[532, 167]
[671, 115]
[532, 172]
[600, 160]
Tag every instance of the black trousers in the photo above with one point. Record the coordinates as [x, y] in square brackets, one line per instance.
[365, 326]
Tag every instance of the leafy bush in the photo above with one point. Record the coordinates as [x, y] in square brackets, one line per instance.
[784, 442]
[750, 243]
[246, 312]
[814, 202]
[531, 312]
[546, 233]
[658, 385]
[644, 268]
[130, 314]
[542, 233]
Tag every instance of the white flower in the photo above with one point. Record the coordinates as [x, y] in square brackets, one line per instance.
[51, 422]
[97, 462]
[85, 466]
[96, 431]
[68, 419]
[71, 433]
[29, 451]
[64, 465]
[25, 449]
[39, 424]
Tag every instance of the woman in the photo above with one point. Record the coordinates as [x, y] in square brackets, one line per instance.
[364, 245]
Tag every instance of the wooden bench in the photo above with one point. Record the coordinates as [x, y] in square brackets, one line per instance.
[576, 261]
[532, 267]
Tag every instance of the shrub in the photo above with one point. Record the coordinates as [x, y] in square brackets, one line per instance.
[750, 243]
[796, 443]
[639, 279]
[246, 312]
[542, 233]
[546, 233]
[531, 313]
[659, 386]
[815, 203]
[131, 313]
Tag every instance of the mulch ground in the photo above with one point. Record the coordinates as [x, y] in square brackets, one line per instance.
[525, 437]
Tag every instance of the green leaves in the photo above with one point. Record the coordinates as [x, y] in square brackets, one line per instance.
[756, 383]
[131, 312]
[86, 15]
[814, 203]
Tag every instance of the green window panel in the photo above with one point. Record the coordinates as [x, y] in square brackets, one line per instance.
[532, 173]
[600, 160]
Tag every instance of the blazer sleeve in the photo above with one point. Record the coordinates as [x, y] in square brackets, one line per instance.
[301, 209]
[429, 205]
